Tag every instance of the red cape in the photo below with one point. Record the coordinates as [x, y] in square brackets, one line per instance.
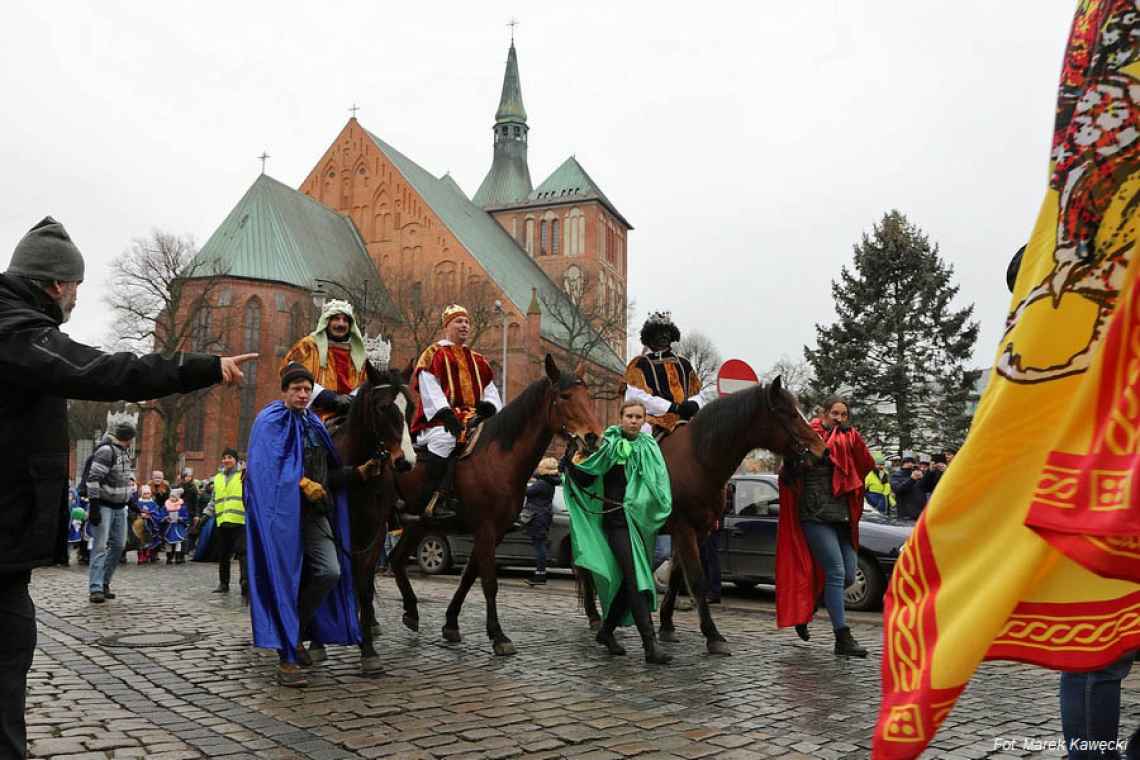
[799, 578]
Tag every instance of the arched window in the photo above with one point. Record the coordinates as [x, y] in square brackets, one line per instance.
[251, 343]
[544, 245]
[530, 237]
[296, 323]
[555, 236]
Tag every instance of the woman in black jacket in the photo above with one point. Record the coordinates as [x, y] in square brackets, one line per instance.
[539, 504]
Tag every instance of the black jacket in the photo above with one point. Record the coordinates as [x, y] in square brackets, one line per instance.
[42, 368]
[910, 499]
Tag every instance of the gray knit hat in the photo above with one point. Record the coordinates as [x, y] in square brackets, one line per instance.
[124, 431]
[47, 253]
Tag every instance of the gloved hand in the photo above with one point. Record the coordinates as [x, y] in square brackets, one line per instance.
[314, 492]
[449, 420]
[688, 409]
[485, 409]
[370, 469]
[95, 514]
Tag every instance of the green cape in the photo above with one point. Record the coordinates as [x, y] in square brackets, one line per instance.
[648, 503]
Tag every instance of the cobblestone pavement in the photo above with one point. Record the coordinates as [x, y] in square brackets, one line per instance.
[212, 695]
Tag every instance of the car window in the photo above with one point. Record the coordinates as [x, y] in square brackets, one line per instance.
[753, 498]
[558, 504]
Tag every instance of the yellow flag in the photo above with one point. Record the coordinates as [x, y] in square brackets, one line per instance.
[1030, 547]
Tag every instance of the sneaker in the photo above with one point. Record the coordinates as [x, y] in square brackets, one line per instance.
[538, 579]
[107, 592]
[303, 658]
[221, 589]
[97, 597]
[291, 676]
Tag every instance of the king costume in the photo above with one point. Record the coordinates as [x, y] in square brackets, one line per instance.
[288, 531]
[337, 366]
[664, 383]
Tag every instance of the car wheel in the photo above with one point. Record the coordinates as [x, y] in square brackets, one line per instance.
[866, 593]
[433, 554]
[745, 585]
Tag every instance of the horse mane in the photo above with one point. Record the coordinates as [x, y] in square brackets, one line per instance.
[725, 419]
[505, 427]
[356, 420]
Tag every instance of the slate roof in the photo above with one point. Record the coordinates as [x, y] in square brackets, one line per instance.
[570, 183]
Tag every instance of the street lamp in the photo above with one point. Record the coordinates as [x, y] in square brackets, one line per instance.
[500, 310]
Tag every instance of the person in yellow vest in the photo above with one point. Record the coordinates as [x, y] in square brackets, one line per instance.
[334, 354]
[877, 486]
[229, 521]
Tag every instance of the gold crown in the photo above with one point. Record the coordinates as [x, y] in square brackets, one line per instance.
[453, 311]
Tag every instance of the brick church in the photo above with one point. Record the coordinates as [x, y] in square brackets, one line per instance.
[370, 225]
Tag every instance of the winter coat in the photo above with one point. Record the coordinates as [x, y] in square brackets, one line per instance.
[43, 368]
[539, 502]
[909, 495]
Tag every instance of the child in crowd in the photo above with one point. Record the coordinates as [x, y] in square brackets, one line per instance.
[148, 526]
[177, 524]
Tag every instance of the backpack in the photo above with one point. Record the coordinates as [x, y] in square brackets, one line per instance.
[81, 488]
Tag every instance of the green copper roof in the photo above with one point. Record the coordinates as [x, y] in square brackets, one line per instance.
[510, 103]
[569, 183]
[507, 265]
[508, 181]
[278, 234]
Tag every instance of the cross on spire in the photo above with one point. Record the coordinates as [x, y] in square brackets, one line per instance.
[512, 24]
[354, 109]
[263, 156]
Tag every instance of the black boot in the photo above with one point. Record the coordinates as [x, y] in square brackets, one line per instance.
[606, 638]
[802, 632]
[845, 644]
[437, 502]
[538, 579]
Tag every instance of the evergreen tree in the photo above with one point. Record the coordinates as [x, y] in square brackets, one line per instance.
[899, 348]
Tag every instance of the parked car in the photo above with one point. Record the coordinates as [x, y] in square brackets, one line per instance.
[440, 552]
[746, 542]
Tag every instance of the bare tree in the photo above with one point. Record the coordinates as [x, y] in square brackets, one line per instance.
[797, 377]
[592, 324]
[698, 348]
[163, 299]
[371, 302]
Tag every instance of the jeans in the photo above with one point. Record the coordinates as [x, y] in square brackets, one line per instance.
[110, 536]
[1090, 709]
[830, 545]
[320, 570]
[18, 622]
[662, 550]
[539, 545]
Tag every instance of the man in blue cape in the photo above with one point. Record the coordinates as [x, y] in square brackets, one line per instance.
[297, 535]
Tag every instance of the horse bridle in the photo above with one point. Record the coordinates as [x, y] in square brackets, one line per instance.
[569, 435]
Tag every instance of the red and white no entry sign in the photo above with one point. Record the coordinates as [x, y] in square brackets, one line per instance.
[735, 375]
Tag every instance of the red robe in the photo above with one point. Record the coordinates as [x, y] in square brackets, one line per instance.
[462, 374]
[799, 578]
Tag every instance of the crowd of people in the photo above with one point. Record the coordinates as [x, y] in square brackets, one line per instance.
[902, 486]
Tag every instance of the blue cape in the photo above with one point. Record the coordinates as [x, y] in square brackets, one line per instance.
[274, 548]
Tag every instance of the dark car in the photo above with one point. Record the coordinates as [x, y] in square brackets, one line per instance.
[439, 552]
[747, 541]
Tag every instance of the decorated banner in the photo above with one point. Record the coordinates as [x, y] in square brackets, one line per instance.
[1030, 547]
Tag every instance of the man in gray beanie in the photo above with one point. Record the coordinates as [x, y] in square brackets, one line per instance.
[108, 489]
[43, 368]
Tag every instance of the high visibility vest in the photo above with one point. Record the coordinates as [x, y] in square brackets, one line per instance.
[873, 484]
[228, 506]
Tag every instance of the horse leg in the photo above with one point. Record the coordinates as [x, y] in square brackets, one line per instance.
[485, 554]
[399, 564]
[669, 603]
[466, 581]
[690, 558]
[589, 597]
[364, 575]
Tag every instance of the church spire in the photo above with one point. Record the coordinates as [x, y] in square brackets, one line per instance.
[508, 181]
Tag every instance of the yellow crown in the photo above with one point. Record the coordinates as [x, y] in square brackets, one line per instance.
[453, 311]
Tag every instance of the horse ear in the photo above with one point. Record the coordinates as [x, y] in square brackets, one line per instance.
[373, 374]
[580, 370]
[776, 388]
[552, 370]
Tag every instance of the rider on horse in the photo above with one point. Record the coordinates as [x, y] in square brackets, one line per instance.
[666, 384]
[334, 355]
[454, 392]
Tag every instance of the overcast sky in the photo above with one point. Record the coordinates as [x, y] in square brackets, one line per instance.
[750, 144]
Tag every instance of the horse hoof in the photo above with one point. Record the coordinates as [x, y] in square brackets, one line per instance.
[376, 629]
[371, 666]
[504, 649]
[595, 623]
[452, 635]
[411, 623]
[668, 634]
[718, 647]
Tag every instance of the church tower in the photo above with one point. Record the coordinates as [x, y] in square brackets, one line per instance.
[508, 182]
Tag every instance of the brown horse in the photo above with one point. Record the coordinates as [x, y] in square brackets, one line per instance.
[701, 457]
[373, 429]
[491, 486]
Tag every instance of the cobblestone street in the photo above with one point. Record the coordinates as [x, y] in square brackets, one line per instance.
[207, 693]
